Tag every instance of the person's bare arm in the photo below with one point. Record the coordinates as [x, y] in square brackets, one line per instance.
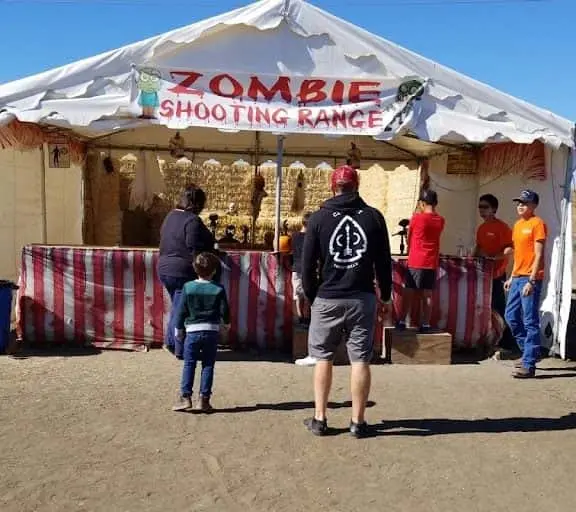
[538, 258]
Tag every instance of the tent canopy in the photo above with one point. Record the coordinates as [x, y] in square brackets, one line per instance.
[274, 38]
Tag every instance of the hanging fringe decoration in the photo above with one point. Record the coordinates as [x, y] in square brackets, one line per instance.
[23, 136]
[527, 160]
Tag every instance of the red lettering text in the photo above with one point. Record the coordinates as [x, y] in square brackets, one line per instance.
[353, 122]
[312, 91]
[237, 109]
[304, 115]
[167, 109]
[201, 111]
[280, 116]
[216, 86]
[374, 119]
[322, 117]
[360, 91]
[184, 108]
[183, 86]
[262, 115]
[282, 86]
[339, 119]
[338, 92]
[219, 112]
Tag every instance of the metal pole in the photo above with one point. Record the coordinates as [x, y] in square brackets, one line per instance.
[559, 281]
[278, 204]
[43, 195]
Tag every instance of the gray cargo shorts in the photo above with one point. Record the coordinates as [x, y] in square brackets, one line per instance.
[334, 320]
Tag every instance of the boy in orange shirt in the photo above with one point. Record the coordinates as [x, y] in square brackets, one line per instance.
[525, 286]
[494, 240]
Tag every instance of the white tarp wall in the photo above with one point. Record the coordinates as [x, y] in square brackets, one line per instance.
[21, 215]
[458, 199]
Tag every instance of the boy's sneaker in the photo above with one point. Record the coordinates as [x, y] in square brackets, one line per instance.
[317, 427]
[358, 430]
[203, 404]
[524, 373]
[184, 403]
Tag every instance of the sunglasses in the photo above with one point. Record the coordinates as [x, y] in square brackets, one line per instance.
[483, 206]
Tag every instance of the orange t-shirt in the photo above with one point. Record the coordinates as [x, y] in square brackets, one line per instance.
[492, 237]
[524, 235]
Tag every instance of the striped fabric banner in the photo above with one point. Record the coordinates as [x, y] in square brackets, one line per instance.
[112, 298]
[461, 301]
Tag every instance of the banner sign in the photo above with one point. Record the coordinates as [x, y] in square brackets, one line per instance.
[181, 98]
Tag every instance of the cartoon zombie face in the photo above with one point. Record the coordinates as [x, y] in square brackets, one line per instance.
[149, 80]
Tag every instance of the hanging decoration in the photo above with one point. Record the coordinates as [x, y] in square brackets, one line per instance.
[176, 146]
[258, 194]
[354, 156]
[299, 198]
[148, 182]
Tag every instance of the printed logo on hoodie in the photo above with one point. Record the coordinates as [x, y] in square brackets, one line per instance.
[348, 243]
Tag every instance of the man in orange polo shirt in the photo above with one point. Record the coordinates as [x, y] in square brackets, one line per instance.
[525, 286]
[494, 240]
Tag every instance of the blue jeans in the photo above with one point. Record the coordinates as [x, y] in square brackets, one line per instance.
[174, 287]
[523, 318]
[199, 346]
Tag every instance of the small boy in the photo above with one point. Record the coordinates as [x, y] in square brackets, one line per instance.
[203, 308]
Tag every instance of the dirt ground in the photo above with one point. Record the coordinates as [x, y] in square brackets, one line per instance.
[95, 433]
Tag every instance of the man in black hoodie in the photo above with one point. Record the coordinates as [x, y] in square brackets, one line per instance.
[347, 241]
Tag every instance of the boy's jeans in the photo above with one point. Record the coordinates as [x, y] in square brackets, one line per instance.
[199, 346]
[523, 317]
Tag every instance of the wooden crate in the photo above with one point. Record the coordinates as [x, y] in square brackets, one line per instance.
[411, 347]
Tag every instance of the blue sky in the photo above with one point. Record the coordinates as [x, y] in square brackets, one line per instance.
[525, 48]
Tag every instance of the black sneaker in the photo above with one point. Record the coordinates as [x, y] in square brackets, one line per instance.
[358, 430]
[317, 427]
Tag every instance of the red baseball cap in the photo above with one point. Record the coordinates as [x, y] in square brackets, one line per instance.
[345, 176]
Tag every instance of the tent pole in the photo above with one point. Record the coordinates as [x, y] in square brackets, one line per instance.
[559, 345]
[278, 203]
[43, 195]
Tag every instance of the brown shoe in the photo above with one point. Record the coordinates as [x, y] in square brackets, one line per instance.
[184, 403]
[524, 373]
[203, 404]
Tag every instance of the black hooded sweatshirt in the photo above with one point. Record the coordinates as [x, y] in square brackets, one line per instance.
[347, 240]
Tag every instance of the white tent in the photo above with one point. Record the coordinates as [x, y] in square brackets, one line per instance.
[288, 68]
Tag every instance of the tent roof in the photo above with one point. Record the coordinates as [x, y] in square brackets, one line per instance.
[290, 37]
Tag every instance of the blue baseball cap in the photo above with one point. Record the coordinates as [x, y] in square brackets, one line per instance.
[527, 196]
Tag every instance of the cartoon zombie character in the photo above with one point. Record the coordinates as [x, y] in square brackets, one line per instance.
[410, 88]
[149, 83]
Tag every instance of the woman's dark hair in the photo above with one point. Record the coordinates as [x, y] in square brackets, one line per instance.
[306, 218]
[192, 199]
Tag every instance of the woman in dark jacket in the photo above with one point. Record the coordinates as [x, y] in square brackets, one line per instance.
[183, 235]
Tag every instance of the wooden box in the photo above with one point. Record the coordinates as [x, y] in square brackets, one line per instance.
[411, 347]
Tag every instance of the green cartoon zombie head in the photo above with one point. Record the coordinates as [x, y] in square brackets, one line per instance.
[411, 88]
[149, 80]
